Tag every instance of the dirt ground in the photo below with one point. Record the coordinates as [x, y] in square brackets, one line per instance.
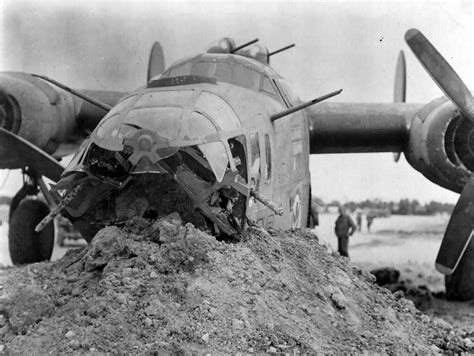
[408, 244]
[165, 286]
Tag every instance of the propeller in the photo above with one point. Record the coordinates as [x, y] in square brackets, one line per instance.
[441, 72]
[400, 89]
[460, 227]
[459, 232]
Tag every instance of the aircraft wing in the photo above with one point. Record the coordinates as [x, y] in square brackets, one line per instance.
[16, 152]
[358, 127]
[42, 119]
[39, 119]
[89, 115]
[435, 138]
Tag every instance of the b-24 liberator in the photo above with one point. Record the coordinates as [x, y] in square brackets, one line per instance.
[221, 138]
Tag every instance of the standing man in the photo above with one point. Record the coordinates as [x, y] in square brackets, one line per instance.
[344, 228]
[370, 220]
[359, 220]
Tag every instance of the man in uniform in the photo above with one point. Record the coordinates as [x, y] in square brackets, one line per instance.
[370, 219]
[359, 220]
[344, 228]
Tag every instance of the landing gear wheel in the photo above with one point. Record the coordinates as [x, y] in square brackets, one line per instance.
[25, 244]
[460, 285]
[19, 196]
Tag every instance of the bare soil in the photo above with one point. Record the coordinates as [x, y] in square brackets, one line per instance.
[165, 286]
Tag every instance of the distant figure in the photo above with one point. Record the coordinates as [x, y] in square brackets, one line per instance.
[359, 220]
[370, 220]
[344, 228]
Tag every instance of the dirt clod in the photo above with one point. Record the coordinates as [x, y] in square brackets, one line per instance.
[165, 286]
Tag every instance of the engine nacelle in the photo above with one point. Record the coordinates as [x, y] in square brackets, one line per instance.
[441, 144]
[35, 110]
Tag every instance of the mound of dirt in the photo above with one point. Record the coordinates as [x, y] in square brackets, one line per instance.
[420, 295]
[165, 286]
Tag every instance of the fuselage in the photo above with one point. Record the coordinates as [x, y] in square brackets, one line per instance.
[215, 108]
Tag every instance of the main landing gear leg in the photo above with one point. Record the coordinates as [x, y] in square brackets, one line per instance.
[26, 211]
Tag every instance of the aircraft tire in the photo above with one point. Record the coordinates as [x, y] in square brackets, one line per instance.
[25, 244]
[460, 284]
[17, 199]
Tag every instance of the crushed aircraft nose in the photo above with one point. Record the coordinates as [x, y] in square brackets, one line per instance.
[163, 146]
[148, 178]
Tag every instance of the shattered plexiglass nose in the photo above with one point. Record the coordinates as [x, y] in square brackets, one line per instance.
[156, 122]
[178, 133]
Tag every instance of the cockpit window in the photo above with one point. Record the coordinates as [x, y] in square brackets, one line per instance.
[224, 72]
[219, 70]
[254, 148]
[207, 69]
[268, 87]
[218, 110]
[246, 77]
[184, 69]
[268, 157]
[236, 74]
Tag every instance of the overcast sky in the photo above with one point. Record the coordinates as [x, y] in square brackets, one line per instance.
[351, 45]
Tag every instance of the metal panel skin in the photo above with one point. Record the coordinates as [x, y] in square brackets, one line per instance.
[358, 127]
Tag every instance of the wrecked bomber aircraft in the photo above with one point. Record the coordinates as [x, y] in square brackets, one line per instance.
[221, 138]
[196, 139]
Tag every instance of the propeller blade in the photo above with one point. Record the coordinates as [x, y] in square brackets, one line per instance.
[396, 156]
[459, 231]
[156, 62]
[441, 72]
[400, 88]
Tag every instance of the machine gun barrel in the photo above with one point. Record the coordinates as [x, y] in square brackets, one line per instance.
[281, 49]
[238, 48]
[57, 209]
[268, 203]
[303, 105]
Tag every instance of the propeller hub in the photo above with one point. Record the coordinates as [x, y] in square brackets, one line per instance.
[3, 117]
[464, 143]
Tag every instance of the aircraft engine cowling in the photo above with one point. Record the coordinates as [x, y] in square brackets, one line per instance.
[35, 110]
[441, 144]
